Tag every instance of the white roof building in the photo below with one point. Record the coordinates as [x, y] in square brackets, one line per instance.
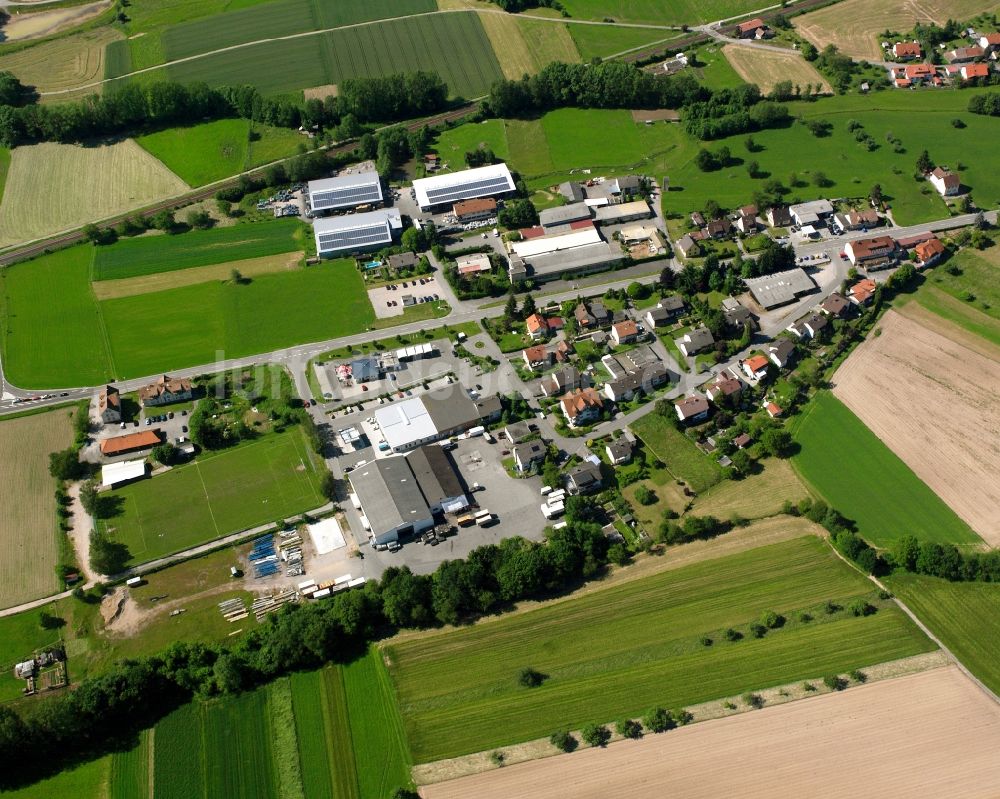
[484, 181]
[405, 424]
[557, 242]
[356, 232]
[114, 473]
[345, 191]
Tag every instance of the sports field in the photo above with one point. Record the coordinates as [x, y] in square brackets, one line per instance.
[204, 153]
[218, 494]
[453, 45]
[55, 187]
[683, 459]
[856, 26]
[148, 255]
[965, 616]
[62, 63]
[769, 67]
[603, 665]
[29, 549]
[313, 735]
[860, 476]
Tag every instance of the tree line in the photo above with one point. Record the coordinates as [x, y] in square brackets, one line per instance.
[126, 107]
[104, 713]
[728, 112]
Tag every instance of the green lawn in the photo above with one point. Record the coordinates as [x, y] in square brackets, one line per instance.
[148, 255]
[963, 314]
[976, 283]
[595, 41]
[453, 45]
[678, 452]
[859, 476]
[714, 69]
[965, 616]
[453, 144]
[220, 493]
[52, 330]
[86, 781]
[603, 665]
[204, 153]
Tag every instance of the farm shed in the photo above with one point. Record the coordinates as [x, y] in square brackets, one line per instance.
[130, 443]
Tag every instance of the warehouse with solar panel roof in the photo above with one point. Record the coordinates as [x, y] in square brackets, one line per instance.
[345, 192]
[443, 191]
[356, 233]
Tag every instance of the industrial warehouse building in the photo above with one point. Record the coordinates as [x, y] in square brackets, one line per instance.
[579, 250]
[443, 191]
[345, 191]
[780, 288]
[336, 235]
[400, 495]
[431, 417]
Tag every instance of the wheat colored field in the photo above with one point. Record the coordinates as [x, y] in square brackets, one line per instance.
[929, 734]
[36, 24]
[55, 187]
[525, 46]
[63, 63]
[29, 550]
[768, 67]
[854, 25]
[934, 402]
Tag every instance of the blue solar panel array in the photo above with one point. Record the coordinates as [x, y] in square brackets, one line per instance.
[346, 197]
[356, 238]
[466, 191]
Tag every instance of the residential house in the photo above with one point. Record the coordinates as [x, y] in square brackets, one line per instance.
[697, 219]
[719, 228]
[562, 381]
[584, 318]
[475, 210]
[489, 408]
[582, 406]
[601, 315]
[808, 326]
[990, 41]
[858, 220]
[774, 411]
[402, 260]
[742, 441]
[904, 51]
[692, 409]
[746, 224]
[694, 341]
[619, 316]
[585, 478]
[835, 305]
[929, 252]
[874, 253]
[109, 405]
[538, 326]
[529, 454]
[748, 210]
[723, 388]
[537, 357]
[688, 247]
[753, 29]
[563, 350]
[963, 55]
[779, 216]
[624, 388]
[166, 390]
[780, 351]
[973, 71]
[811, 213]
[516, 432]
[624, 332]
[862, 291]
[619, 451]
[736, 315]
[755, 367]
[666, 311]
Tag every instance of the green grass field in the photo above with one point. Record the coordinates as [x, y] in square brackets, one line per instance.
[597, 41]
[211, 151]
[604, 665]
[453, 144]
[130, 777]
[965, 616]
[714, 69]
[52, 338]
[976, 283]
[218, 494]
[86, 781]
[326, 750]
[963, 314]
[453, 45]
[655, 12]
[179, 755]
[4, 166]
[859, 476]
[678, 452]
[239, 760]
[148, 255]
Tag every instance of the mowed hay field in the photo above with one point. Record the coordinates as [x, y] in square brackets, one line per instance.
[855, 26]
[934, 403]
[873, 740]
[21, 26]
[29, 549]
[614, 653]
[768, 67]
[523, 46]
[657, 12]
[65, 63]
[965, 616]
[55, 187]
[863, 479]
[218, 494]
[453, 45]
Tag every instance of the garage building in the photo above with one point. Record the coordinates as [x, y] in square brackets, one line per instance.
[341, 235]
[345, 191]
[443, 191]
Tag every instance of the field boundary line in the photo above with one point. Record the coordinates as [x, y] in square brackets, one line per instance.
[923, 627]
[208, 499]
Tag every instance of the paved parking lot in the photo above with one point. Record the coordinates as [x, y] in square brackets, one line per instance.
[388, 301]
[409, 378]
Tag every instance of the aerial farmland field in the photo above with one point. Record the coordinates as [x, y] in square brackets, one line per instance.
[63, 63]
[603, 666]
[652, 12]
[767, 68]
[29, 549]
[861, 477]
[209, 496]
[54, 187]
[684, 460]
